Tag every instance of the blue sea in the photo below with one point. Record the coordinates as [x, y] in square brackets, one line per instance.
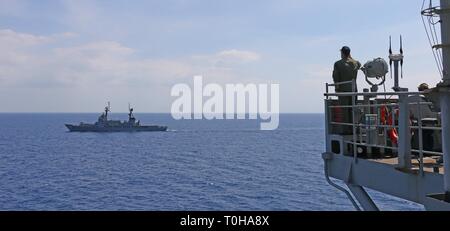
[197, 165]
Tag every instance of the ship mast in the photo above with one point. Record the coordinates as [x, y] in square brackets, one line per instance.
[107, 110]
[444, 89]
[130, 114]
[445, 34]
[441, 51]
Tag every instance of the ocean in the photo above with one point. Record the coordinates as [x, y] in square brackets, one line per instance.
[197, 165]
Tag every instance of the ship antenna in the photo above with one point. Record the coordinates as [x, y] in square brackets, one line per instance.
[401, 52]
[130, 109]
[107, 109]
[390, 53]
[396, 63]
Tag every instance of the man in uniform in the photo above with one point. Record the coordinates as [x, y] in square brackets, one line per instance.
[346, 70]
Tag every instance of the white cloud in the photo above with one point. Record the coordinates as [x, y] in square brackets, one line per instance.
[240, 56]
[95, 50]
[30, 61]
[224, 62]
[10, 38]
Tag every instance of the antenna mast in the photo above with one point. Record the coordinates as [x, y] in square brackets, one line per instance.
[445, 34]
[107, 110]
[444, 89]
[397, 60]
[130, 114]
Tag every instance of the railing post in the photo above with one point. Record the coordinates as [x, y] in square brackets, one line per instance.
[404, 134]
[445, 95]
[327, 125]
[420, 130]
[445, 117]
[354, 121]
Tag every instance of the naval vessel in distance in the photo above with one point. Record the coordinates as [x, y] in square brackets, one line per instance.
[105, 125]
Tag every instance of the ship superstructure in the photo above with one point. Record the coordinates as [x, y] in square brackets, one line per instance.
[400, 144]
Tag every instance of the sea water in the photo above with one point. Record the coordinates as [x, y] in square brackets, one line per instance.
[197, 165]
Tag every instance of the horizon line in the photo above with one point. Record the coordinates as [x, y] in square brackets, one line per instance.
[136, 113]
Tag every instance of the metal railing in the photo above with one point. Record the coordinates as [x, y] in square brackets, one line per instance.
[385, 121]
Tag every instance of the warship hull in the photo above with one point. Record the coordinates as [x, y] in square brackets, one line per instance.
[93, 128]
[103, 124]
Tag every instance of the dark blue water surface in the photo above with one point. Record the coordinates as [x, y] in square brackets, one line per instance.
[197, 165]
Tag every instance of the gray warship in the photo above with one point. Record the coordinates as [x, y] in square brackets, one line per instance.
[105, 125]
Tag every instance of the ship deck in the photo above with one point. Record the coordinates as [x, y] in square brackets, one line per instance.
[430, 164]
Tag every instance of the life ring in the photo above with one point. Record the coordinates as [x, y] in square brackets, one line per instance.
[393, 135]
[386, 119]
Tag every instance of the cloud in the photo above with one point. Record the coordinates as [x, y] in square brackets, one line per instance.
[31, 60]
[240, 56]
[10, 38]
[94, 50]
[59, 73]
[226, 60]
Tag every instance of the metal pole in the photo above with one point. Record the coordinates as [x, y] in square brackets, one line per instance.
[445, 93]
[355, 137]
[327, 158]
[396, 75]
[420, 130]
[404, 138]
[445, 33]
[327, 126]
[363, 197]
[445, 116]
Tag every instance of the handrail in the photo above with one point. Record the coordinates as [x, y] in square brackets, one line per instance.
[386, 126]
[361, 136]
[378, 105]
[340, 83]
[392, 148]
[374, 93]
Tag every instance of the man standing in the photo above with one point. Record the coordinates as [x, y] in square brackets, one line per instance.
[346, 70]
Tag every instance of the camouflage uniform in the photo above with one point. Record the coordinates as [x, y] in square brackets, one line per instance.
[346, 70]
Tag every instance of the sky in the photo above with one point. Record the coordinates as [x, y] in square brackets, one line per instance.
[76, 55]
